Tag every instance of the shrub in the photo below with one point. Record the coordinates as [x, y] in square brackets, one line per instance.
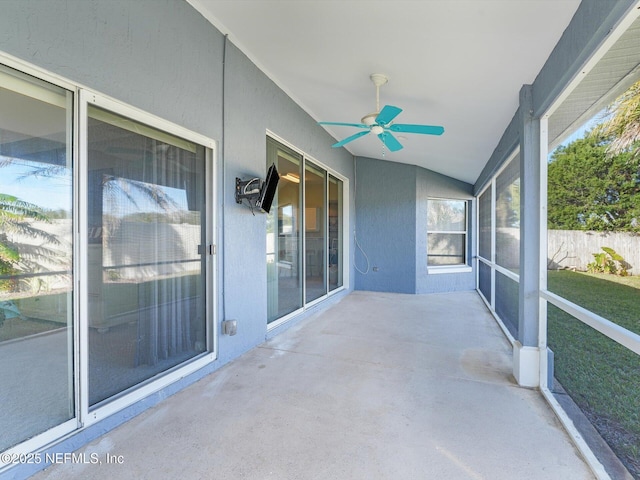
[608, 261]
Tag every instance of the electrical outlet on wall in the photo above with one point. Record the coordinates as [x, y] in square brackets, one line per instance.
[229, 327]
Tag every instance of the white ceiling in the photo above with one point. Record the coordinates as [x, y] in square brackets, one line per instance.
[455, 63]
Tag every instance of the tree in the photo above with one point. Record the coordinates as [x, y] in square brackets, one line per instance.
[16, 217]
[589, 189]
[623, 124]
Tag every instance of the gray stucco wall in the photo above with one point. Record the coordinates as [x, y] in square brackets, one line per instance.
[158, 55]
[385, 226]
[253, 105]
[163, 57]
[391, 228]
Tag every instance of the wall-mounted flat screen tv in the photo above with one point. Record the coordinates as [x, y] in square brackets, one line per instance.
[268, 189]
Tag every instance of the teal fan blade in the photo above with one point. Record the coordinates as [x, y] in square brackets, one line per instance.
[387, 114]
[390, 141]
[424, 129]
[342, 124]
[350, 139]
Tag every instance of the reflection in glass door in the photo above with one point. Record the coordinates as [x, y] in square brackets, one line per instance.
[36, 257]
[335, 233]
[312, 263]
[146, 278]
[284, 222]
[315, 231]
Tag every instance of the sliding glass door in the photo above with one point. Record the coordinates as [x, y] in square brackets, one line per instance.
[106, 257]
[146, 202]
[304, 233]
[36, 257]
[284, 231]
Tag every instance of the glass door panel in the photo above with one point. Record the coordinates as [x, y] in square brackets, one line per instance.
[335, 233]
[146, 278]
[315, 187]
[284, 262]
[36, 258]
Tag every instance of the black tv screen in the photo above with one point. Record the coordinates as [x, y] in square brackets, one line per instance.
[268, 190]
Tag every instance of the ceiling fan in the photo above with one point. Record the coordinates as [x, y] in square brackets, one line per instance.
[380, 122]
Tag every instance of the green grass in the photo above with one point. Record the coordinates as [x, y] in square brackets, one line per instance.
[601, 376]
[614, 298]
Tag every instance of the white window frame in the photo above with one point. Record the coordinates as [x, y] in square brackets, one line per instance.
[463, 267]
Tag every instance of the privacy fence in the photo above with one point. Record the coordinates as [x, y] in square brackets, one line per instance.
[574, 249]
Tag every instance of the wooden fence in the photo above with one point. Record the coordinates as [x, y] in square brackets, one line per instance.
[574, 249]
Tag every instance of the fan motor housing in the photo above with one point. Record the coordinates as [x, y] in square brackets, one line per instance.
[370, 119]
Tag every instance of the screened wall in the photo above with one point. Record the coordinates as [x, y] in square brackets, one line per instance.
[592, 285]
[499, 243]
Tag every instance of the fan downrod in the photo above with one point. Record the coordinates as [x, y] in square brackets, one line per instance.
[378, 80]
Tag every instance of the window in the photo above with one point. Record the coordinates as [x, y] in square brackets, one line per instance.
[304, 233]
[446, 233]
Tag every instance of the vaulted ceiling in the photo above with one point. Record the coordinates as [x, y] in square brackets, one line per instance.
[455, 63]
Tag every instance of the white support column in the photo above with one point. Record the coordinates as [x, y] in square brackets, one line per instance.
[526, 365]
[526, 355]
[546, 355]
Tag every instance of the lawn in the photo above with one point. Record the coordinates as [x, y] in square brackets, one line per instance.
[602, 377]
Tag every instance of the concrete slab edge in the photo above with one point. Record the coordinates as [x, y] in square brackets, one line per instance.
[576, 437]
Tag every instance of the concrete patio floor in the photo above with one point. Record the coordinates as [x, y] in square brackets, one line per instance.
[378, 386]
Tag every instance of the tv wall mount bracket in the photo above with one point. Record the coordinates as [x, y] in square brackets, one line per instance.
[248, 190]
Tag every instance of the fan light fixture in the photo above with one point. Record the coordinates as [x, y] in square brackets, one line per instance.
[380, 122]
